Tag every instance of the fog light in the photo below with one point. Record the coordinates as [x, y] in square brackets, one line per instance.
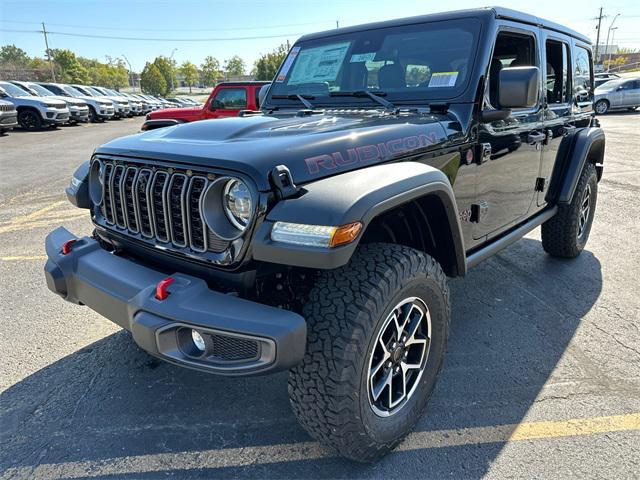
[198, 341]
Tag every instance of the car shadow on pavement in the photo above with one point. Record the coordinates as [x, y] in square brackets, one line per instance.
[109, 403]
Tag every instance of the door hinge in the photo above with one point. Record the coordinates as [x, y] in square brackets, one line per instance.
[540, 184]
[478, 211]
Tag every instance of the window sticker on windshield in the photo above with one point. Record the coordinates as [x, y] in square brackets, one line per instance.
[443, 79]
[362, 57]
[287, 64]
[320, 64]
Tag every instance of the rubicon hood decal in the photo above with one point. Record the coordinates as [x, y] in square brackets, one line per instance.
[311, 147]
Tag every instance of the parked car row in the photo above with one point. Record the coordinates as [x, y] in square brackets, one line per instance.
[37, 105]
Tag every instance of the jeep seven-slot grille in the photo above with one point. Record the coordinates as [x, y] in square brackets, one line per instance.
[159, 204]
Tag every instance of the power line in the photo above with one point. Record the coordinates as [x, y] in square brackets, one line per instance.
[150, 39]
[264, 27]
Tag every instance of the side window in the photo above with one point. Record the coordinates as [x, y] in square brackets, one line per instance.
[511, 50]
[557, 81]
[629, 85]
[257, 94]
[230, 99]
[582, 75]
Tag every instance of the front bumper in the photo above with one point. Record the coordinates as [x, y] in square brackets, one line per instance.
[125, 293]
[55, 116]
[8, 120]
[79, 115]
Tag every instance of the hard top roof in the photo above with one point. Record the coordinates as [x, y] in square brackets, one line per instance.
[487, 12]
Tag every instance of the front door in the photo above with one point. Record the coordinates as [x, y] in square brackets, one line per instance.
[227, 102]
[630, 93]
[513, 147]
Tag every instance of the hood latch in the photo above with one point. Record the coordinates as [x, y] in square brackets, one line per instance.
[283, 181]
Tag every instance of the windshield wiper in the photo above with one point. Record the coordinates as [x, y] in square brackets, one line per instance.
[376, 97]
[296, 96]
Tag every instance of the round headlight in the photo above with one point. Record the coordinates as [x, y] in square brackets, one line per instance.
[236, 199]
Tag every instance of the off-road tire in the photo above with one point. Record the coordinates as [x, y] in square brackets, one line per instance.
[601, 107]
[29, 120]
[560, 233]
[345, 312]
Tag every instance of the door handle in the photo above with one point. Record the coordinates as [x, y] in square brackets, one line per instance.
[536, 137]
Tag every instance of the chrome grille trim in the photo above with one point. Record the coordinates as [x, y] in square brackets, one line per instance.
[157, 204]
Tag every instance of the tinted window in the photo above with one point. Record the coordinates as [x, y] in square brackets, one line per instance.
[582, 75]
[411, 62]
[511, 50]
[230, 98]
[557, 81]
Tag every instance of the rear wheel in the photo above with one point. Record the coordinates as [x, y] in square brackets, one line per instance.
[566, 234]
[30, 120]
[377, 335]
[602, 107]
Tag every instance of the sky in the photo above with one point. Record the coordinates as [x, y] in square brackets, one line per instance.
[190, 30]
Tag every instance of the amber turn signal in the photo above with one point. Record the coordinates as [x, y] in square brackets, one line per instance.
[345, 234]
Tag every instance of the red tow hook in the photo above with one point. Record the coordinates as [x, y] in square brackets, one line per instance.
[66, 246]
[162, 291]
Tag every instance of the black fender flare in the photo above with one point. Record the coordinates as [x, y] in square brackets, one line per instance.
[359, 195]
[586, 144]
[159, 123]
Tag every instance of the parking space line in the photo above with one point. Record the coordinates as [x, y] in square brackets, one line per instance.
[20, 258]
[278, 453]
[36, 214]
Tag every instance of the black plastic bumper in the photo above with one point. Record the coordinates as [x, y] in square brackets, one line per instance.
[125, 293]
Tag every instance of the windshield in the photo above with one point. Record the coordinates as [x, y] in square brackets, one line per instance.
[14, 91]
[408, 63]
[92, 91]
[73, 91]
[41, 91]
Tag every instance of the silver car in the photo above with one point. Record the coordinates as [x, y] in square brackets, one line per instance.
[617, 94]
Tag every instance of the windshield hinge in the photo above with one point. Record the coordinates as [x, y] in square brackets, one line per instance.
[283, 181]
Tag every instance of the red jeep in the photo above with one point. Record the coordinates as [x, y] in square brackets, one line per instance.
[226, 100]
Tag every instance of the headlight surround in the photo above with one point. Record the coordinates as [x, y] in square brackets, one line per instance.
[237, 203]
[227, 207]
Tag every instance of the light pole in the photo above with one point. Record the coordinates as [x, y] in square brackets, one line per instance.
[130, 72]
[171, 62]
[606, 46]
[612, 37]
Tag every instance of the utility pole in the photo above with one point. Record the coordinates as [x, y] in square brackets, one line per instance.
[598, 35]
[46, 44]
[337, 24]
[171, 62]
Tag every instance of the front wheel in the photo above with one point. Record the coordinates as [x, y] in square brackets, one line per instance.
[566, 233]
[30, 120]
[377, 336]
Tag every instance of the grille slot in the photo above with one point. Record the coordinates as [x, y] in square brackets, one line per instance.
[158, 204]
[233, 349]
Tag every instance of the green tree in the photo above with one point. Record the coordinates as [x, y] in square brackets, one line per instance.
[13, 55]
[234, 66]
[152, 81]
[190, 73]
[267, 65]
[211, 71]
[71, 70]
[167, 70]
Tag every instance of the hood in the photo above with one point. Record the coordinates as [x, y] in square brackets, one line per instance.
[186, 113]
[34, 99]
[89, 99]
[311, 147]
[70, 100]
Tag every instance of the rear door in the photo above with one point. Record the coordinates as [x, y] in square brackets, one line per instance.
[630, 93]
[558, 120]
[582, 83]
[227, 102]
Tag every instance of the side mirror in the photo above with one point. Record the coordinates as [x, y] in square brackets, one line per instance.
[262, 94]
[518, 87]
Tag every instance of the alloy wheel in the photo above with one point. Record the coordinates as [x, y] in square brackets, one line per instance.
[399, 356]
[585, 210]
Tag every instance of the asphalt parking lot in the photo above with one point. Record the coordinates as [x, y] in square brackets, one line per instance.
[542, 377]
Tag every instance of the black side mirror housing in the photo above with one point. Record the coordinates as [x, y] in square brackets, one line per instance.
[262, 94]
[518, 87]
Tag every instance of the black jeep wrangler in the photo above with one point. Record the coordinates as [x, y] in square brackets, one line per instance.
[317, 234]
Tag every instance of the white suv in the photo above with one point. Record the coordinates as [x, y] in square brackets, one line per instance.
[99, 109]
[34, 112]
[78, 109]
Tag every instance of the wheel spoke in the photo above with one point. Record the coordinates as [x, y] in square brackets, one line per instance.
[400, 377]
[380, 385]
[385, 357]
